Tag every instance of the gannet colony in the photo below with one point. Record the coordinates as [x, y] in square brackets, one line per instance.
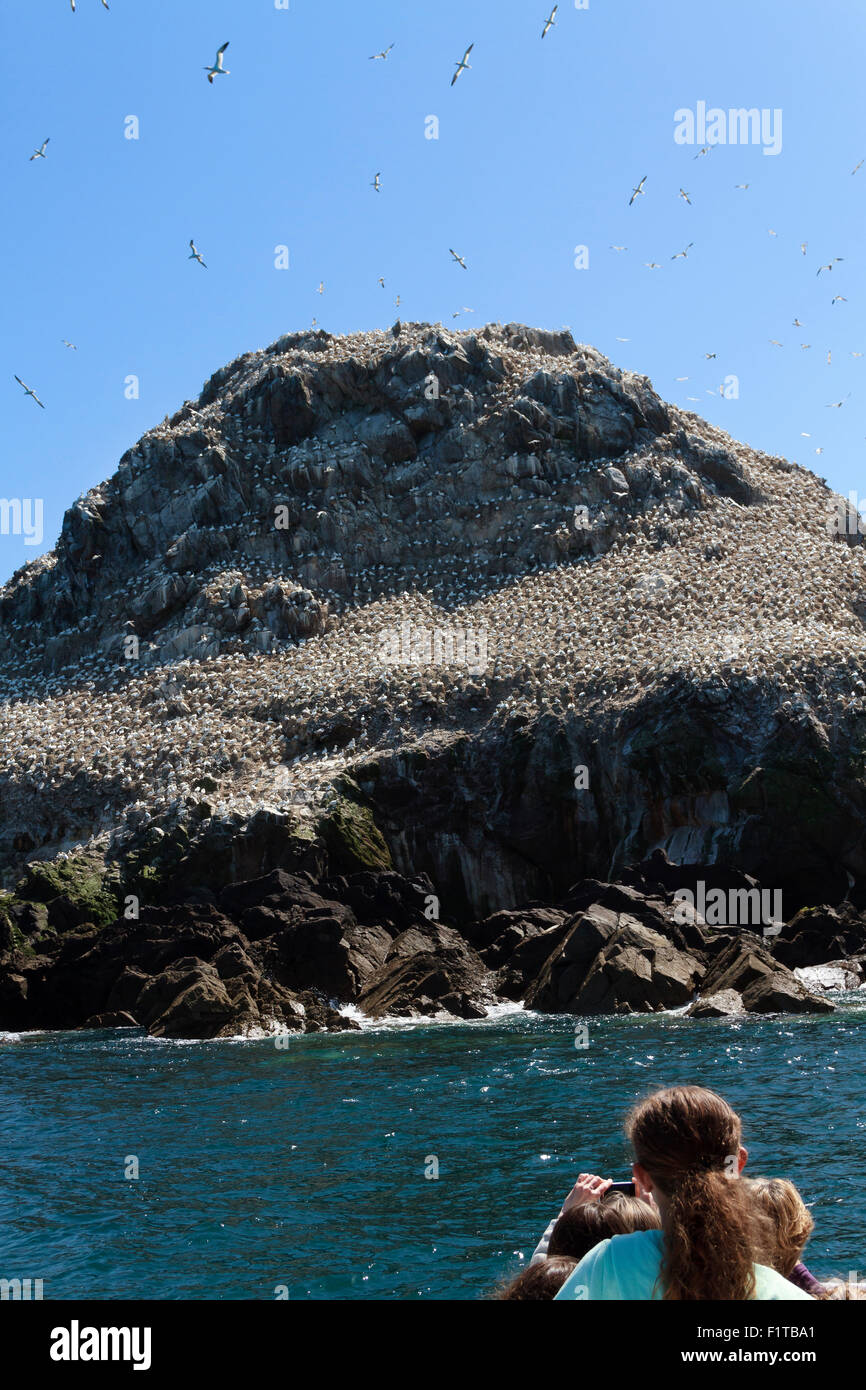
[474, 609]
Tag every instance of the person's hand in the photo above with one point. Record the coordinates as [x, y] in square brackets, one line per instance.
[588, 1188]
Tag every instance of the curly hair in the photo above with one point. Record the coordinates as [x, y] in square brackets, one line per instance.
[792, 1223]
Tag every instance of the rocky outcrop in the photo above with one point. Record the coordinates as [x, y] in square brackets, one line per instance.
[288, 951]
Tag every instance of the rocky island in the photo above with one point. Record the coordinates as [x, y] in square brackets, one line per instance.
[412, 672]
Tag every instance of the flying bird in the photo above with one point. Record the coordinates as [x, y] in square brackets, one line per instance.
[684, 195]
[66, 343]
[797, 323]
[776, 343]
[459, 259]
[549, 22]
[194, 255]
[710, 356]
[858, 166]
[217, 70]
[639, 191]
[834, 261]
[462, 66]
[381, 281]
[742, 185]
[652, 265]
[682, 255]
[28, 390]
[377, 183]
[704, 151]
[837, 405]
[321, 289]
[383, 54]
[40, 153]
[619, 248]
[803, 245]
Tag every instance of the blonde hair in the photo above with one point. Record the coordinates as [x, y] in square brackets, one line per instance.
[792, 1223]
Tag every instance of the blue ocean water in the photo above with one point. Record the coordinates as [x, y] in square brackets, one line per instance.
[305, 1168]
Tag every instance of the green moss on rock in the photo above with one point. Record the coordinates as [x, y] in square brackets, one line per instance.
[350, 833]
[84, 881]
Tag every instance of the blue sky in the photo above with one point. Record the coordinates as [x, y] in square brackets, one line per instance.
[540, 145]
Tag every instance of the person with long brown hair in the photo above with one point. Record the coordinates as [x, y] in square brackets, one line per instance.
[688, 1156]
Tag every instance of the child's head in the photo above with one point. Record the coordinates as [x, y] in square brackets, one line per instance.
[540, 1282]
[581, 1228]
[791, 1223]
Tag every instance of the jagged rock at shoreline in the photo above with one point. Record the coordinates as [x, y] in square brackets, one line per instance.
[284, 953]
[478, 609]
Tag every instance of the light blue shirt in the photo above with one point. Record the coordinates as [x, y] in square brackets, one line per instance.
[627, 1267]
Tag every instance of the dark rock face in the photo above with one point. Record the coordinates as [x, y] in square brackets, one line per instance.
[285, 951]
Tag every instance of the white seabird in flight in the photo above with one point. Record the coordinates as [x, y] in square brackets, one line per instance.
[462, 65]
[377, 183]
[194, 255]
[28, 390]
[217, 69]
[549, 22]
[639, 191]
[459, 259]
[66, 343]
[40, 153]
[383, 55]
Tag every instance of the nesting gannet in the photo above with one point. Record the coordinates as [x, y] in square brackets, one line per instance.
[549, 22]
[459, 259]
[383, 54]
[194, 255]
[217, 69]
[462, 65]
[639, 191]
[40, 153]
[28, 390]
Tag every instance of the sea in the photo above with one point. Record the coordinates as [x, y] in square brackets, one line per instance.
[415, 1160]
